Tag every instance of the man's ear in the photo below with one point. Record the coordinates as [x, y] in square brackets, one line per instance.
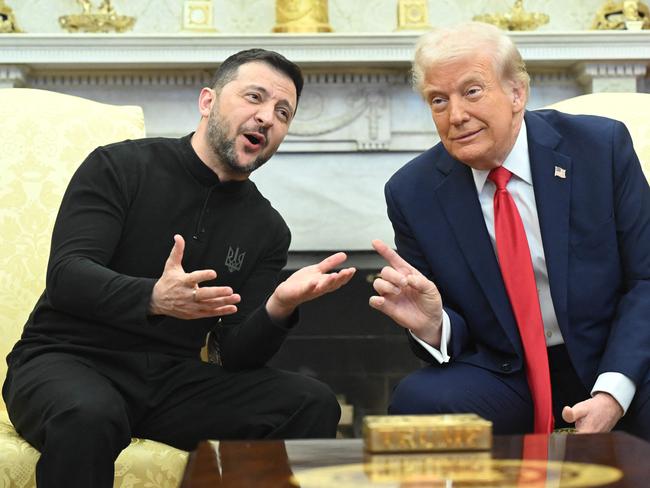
[519, 97]
[207, 98]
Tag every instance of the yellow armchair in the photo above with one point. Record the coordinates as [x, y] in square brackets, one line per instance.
[44, 136]
[630, 108]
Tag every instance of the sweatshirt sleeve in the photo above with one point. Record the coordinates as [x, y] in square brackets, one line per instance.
[86, 232]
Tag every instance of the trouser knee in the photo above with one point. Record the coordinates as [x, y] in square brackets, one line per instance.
[315, 409]
[88, 426]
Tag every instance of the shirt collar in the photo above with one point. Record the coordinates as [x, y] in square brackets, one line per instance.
[517, 162]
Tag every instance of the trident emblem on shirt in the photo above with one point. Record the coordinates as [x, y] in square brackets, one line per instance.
[234, 259]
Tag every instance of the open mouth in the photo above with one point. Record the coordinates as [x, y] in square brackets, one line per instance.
[255, 139]
[252, 139]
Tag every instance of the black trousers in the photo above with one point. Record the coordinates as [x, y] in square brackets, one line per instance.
[81, 410]
[505, 399]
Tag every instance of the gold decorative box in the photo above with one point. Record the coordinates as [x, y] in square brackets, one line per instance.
[408, 433]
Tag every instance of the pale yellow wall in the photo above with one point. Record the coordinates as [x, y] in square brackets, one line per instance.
[258, 16]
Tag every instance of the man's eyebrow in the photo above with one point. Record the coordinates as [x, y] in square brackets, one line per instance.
[265, 92]
[256, 87]
[462, 82]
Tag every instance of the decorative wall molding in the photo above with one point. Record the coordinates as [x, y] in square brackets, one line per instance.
[359, 50]
[202, 77]
[178, 77]
[614, 70]
[621, 76]
[360, 121]
[345, 111]
[326, 77]
[551, 77]
[118, 78]
[12, 76]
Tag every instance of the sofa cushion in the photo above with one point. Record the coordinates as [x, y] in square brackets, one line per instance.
[143, 464]
[44, 137]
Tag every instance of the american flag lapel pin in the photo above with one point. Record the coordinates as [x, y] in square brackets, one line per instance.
[560, 172]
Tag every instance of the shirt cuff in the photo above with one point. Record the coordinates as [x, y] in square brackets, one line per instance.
[618, 385]
[439, 355]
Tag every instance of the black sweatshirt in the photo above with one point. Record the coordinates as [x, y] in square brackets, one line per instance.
[113, 234]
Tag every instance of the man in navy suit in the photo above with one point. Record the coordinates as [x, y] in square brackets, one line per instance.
[585, 207]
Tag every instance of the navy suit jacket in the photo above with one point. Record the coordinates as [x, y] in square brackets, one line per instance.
[595, 226]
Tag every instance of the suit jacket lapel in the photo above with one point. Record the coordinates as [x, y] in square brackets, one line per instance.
[552, 196]
[458, 199]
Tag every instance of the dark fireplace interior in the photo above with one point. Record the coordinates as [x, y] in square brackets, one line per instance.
[340, 340]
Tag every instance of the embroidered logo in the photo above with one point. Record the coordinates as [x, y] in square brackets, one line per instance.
[234, 259]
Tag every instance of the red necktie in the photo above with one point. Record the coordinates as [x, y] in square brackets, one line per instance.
[535, 449]
[519, 278]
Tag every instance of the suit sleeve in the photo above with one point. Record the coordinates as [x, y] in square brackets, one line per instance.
[628, 347]
[409, 249]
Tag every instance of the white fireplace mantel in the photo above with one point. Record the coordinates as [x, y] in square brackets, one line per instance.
[47, 51]
[358, 120]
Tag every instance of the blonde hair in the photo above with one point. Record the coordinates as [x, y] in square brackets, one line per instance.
[465, 40]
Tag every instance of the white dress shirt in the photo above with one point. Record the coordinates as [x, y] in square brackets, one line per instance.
[521, 189]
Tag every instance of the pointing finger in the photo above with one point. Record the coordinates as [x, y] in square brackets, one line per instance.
[390, 255]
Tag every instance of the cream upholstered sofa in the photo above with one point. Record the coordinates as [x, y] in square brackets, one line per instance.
[630, 108]
[44, 136]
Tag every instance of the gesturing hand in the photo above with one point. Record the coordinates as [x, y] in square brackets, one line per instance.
[407, 296]
[306, 284]
[178, 294]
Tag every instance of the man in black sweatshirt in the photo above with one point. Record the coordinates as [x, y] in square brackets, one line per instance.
[111, 350]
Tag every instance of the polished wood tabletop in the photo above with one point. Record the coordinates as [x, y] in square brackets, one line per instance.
[534, 461]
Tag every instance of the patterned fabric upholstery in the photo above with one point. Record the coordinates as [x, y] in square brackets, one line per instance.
[630, 108]
[43, 138]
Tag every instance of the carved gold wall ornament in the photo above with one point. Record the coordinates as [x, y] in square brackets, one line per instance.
[197, 16]
[413, 15]
[301, 16]
[627, 14]
[104, 19]
[515, 20]
[8, 23]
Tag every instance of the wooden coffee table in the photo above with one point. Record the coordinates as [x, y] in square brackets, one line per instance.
[572, 461]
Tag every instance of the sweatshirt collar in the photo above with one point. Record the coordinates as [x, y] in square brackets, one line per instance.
[203, 174]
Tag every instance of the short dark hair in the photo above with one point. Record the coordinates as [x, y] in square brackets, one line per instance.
[227, 71]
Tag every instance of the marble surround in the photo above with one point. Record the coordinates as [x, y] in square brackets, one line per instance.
[358, 119]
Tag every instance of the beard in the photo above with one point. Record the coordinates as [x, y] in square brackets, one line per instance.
[223, 147]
